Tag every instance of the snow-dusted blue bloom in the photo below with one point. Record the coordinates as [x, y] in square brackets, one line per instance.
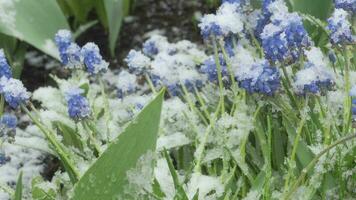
[348, 5]
[8, 123]
[340, 28]
[78, 105]
[92, 59]
[315, 77]
[126, 83]
[285, 36]
[226, 21]
[14, 92]
[138, 63]
[210, 69]
[154, 45]
[258, 77]
[68, 50]
[5, 69]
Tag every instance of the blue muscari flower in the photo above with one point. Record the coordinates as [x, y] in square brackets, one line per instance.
[150, 48]
[209, 67]
[340, 28]
[78, 105]
[137, 62]
[3, 158]
[353, 96]
[263, 79]
[68, 50]
[5, 69]
[275, 47]
[229, 45]
[8, 123]
[92, 59]
[348, 5]
[13, 91]
[211, 29]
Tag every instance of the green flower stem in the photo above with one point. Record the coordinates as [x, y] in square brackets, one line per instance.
[191, 104]
[107, 114]
[92, 139]
[313, 162]
[229, 67]
[202, 103]
[327, 136]
[59, 149]
[347, 101]
[150, 84]
[218, 69]
[294, 151]
[201, 147]
[2, 104]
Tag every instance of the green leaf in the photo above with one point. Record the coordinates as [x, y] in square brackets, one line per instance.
[80, 9]
[106, 178]
[34, 21]
[70, 136]
[115, 13]
[317, 8]
[39, 193]
[18, 191]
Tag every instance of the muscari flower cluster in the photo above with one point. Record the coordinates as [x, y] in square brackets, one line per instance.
[167, 64]
[8, 123]
[340, 28]
[5, 69]
[285, 37]
[78, 105]
[72, 56]
[315, 77]
[348, 5]
[11, 89]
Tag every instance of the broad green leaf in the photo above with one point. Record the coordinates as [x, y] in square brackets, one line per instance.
[115, 12]
[80, 9]
[33, 21]
[41, 193]
[18, 191]
[317, 8]
[70, 136]
[106, 178]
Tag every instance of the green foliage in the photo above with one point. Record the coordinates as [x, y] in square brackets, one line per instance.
[105, 179]
[18, 191]
[31, 22]
[40, 193]
[115, 12]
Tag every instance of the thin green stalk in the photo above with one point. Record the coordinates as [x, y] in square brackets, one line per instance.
[92, 138]
[347, 101]
[202, 103]
[106, 109]
[191, 105]
[229, 67]
[2, 104]
[294, 151]
[218, 69]
[59, 149]
[313, 162]
[150, 84]
[200, 149]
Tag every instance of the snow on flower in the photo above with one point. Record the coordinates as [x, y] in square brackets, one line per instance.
[5, 69]
[78, 105]
[340, 28]
[92, 59]
[14, 92]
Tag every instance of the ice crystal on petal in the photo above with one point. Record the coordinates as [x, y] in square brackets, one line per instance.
[68, 50]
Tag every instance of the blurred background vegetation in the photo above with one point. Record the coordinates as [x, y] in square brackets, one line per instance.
[31, 24]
